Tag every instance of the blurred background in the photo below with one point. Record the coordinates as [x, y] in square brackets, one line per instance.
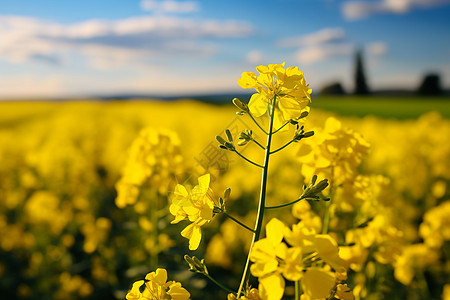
[94, 92]
[187, 48]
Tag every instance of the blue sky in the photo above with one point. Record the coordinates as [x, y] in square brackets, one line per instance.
[180, 48]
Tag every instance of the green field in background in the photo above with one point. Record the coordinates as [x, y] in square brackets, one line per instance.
[384, 107]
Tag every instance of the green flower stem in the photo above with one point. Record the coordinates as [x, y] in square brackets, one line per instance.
[237, 221]
[298, 290]
[286, 204]
[261, 146]
[262, 201]
[154, 234]
[251, 116]
[326, 217]
[281, 148]
[247, 159]
[281, 127]
[219, 284]
[423, 285]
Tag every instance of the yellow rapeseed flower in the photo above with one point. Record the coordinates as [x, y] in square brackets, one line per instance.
[196, 205]
[287, 85]
[274, 261]
[156, 287]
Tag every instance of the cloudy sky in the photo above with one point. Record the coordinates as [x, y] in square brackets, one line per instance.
[76, 48]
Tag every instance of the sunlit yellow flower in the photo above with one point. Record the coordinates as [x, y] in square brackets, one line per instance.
[156, 287]
[274, 261]
[336, 152]
[287, 85]
[196, 205]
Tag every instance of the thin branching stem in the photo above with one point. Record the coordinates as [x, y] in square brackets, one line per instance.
[326, 217]
[284, 205]
[298, 290]
[237, 221]
[281, 127]
[281, 148]
[219, 284]
[261, 146]
[252, 162]
[256, 122]
[262, 201]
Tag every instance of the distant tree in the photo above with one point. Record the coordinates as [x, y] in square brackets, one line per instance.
[430, 85]
[334, 88]
[360, 77]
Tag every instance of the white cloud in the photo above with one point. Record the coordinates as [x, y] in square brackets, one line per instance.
[36, 86]
[111, 43]
[314, 54]
[377, 48]
[318, 46]
[319, 37]
[254, 57]
[169, 6]
[354, 10]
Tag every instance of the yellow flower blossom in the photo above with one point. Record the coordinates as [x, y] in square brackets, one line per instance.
[196, 205]
[317, 283]
[435, 228]
[154, 157]
[335, 150]
[287, 85]
[274, 261]
[253, 294]
[156, 287]
[413, 257]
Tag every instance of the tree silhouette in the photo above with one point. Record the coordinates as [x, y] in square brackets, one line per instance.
[430, 85]
[334, 88]
[360, 78]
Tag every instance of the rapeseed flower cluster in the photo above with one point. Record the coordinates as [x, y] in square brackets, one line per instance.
[313, 259]
[153, 158]
[196, 205]
[288, 86]
[156, 287]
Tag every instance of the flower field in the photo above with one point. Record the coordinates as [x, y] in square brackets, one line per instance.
[90, 191]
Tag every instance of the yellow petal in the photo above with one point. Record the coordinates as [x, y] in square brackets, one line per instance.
[203, 182]
[194, 234]
[317, 283]
[135, 294]
[177, 292]
[247, 80]
[328, 250]
[274, 231]
[258, 105]
[271, 287]
[160, 276]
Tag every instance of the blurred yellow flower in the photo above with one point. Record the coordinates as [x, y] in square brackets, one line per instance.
[343, 292]
[154, 156]
[435, 228]
[413, 258]
[335, 150]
